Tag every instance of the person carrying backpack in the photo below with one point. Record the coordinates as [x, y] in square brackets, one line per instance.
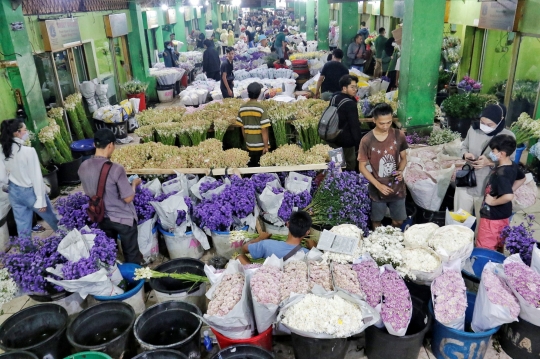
[348, 137]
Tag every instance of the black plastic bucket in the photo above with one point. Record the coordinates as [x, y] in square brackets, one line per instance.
[244, 351]
[120, 129]
[170, 325]
[40, 329]
[309, 348]
[67, 172]
[420, 292]
[382, 345]
[161, 354]
[105, 327]
[175, 286]
[51, 179]
[18, 355]
[426, 216]
[520, 339]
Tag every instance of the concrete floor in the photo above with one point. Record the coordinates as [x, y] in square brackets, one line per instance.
[282, 348]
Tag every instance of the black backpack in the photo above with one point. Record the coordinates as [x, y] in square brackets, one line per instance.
[329, 122]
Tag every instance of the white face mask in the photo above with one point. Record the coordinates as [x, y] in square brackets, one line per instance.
[486, 129]
[25, 137]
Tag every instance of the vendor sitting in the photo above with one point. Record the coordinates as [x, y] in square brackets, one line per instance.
[263, 246]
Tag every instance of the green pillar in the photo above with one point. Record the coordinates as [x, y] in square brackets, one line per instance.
[14, 43]
[297, 9]
[420, 56]
[310, 20]
[347, 25]
[180, 27]
[323, 24]
[202, 20]
[215, 15]
[302, 8]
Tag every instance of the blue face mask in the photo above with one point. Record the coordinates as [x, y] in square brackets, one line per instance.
[170, 47]
[493, 156]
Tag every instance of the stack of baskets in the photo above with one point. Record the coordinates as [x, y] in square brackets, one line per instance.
[302, 69]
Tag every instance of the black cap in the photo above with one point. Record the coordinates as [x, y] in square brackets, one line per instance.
[103, 137]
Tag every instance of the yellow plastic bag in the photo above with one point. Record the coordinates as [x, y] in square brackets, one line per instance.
[460, 216]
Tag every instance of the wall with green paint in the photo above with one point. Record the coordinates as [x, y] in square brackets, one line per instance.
[531, 14]
[8, 105]
[464, 12]
[497, 60]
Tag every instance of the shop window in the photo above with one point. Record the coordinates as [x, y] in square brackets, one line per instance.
[497, 62]
[525, 88]
[47, 81]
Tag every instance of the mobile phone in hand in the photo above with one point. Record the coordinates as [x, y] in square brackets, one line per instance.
[132, 177]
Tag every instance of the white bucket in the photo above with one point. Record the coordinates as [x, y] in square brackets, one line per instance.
[73, 303]
[137, 301]
[270, 228]
[181, 245]
[197, 298]
[4, 238]
[165, 95]
[222, 244]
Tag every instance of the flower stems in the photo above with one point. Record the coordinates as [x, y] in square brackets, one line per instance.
[85, 124]
[147, 273]
[75, 124]
[280, 132]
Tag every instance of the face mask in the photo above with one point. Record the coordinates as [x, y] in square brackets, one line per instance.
[170, 47]
[486, 129]
[25, 137]
[493, 157]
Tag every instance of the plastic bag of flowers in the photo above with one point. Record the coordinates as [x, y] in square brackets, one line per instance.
[319, 270]
[419, 234]
[368, 273]
[535, 259]
[206, 187]
[265, 292]
[270, 201]
[525, 195]
[396, 308]
[525, 284]
[326, 315]
[146, 223]
[422, 265]
[495, 303]
[296, 182]
[181, 182]
[154, 186]
[91, 264]
[453, 243]
[449, 297]
[348, 230]
[229, 311]
[428, 193]
[345, 279]
[295, 276]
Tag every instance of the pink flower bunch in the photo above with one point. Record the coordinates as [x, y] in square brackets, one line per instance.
[525, 281]
[252, 266]
[499, 293]
[458, 163]
[227, 294]
[425, 154]
[413, 175]
[346, 278]
[397, 306]
[294, 279]
[450, 296]
[431, 166]
[370, 281]
[319, 273]
[265, 285]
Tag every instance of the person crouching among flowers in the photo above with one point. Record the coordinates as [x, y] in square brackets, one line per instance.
[264, 246]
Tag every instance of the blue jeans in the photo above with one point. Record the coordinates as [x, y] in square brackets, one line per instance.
[251, 44]
[359, 67]
[279, 52]
[22, 201]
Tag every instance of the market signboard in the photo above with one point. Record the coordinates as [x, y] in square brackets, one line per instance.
[60, 34]
[399, 8]
[171, 16]
[498, 15]
[151, 19]
[116, 25]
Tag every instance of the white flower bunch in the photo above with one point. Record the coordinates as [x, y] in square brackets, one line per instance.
[419, 234]
[294, 279]
[334, 316]
[450, 239]
[8, 287]
[347, 230]
[420, 259]
[227, 294]
[346, 278]
[385, 245]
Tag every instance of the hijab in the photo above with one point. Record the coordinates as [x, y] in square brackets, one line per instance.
[496, 113]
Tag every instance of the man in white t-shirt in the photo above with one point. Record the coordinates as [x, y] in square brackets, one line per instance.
[397, 71]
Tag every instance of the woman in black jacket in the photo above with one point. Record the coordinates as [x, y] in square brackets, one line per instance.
[211, 61]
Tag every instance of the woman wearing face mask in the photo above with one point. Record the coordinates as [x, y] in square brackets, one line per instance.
[475, 150]
[21, 172]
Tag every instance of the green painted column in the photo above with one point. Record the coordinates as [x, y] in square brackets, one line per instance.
[180, 27]
[16, 45]
[297, 9]
[323, 23]
[420, 56]
[202, 20]
[347, 25]
[302, 8]
[215, 15]
[310, 20]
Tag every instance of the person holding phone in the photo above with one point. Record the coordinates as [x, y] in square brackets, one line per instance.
[475, 149]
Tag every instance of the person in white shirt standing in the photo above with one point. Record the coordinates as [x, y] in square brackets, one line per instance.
[20, 170]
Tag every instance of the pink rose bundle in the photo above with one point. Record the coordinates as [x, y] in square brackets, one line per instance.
[368, 276]
[265, 285]
[346, 278]
[227, 294]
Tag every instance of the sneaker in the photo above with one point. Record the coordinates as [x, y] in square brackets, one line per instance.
[38, 228]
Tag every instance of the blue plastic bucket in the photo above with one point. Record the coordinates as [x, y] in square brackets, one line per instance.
[83, 148]
[134, 296]
[481, 257]
[519, 152]
[449, 343]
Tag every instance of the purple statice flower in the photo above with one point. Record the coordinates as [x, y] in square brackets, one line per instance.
[415, 139]
[519, 239]
[145, 211]
[450, 296]
[286, 208]
[370, 281]
[28, 260]
[278, 190]
[525, 281]
[241, 195]
[73, 211]
[208, 186]
[214, 215]
[396, 304]
[162, 197]
[386, 78]
[302, 199]
[182, 215]
[366, 108]
[81, 268]
[260, 180]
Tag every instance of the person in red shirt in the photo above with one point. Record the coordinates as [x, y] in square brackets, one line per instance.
[280, 64]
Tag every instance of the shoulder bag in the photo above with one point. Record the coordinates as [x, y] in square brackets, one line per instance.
[96, 205]
[465, 177]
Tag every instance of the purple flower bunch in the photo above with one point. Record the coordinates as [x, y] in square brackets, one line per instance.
[162, 197]
[145, 211]
[370, 281]
[182, 215]
[73, 211]
[396, 307]
[241, 194]
[468, 84]
[366, 107]
[260, 180]
[519, 239]
[525, 281]
[29, 258]
[499, 293]
[415, 139]
[342, 197]
[208, 186]
[102, 253]
[450, 296]
[291, 200]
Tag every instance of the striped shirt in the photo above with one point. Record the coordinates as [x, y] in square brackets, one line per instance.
[253, 118]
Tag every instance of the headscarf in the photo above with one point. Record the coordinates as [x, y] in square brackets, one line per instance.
[496, 113]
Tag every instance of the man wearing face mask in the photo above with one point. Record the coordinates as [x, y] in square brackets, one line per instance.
[169, 55]
[475, 149]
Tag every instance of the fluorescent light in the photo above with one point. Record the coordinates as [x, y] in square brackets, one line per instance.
[206, 3]
[194, 2]
[181, 9]
[164, 7]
